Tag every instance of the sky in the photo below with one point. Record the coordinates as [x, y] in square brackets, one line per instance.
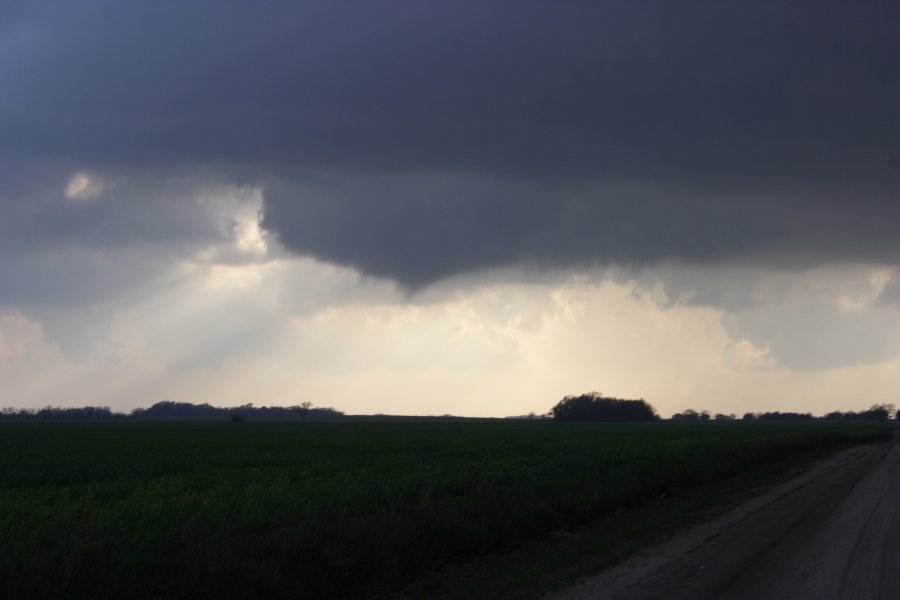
[470, 208]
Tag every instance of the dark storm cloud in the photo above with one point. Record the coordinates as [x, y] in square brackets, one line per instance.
[420, 140]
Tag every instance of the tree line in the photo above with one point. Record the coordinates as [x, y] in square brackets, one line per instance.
[594, 406]
[177, 410]
[58, 412]
[878, 412]
[704, 415]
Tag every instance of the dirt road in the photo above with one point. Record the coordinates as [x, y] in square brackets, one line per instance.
[831, 533]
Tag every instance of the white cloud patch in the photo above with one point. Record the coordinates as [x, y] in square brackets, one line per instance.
[878, 280]
[84, 188]
[22, 341]
[235, 211]
[744, 355]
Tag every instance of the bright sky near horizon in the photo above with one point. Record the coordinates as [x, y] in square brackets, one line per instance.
[465, 208]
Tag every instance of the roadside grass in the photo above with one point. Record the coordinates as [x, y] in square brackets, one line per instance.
[359, 508]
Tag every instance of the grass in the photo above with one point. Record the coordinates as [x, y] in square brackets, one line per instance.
[326, 510]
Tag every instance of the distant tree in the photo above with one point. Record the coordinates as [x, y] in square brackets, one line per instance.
[878, 412]
[181, 410]
[58, 412]
[723, 417]
[784, 416]
[890, 409]
[324, 413]
[748, 417]
[686, 415]
[594, 406]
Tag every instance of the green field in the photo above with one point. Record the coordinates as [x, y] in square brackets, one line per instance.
[295, 510]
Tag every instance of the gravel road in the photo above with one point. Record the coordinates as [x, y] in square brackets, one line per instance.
[832, 532]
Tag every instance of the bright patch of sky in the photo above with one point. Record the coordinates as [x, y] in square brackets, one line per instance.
[239, 320]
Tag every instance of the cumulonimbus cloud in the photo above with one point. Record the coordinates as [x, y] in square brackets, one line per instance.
[419, 140]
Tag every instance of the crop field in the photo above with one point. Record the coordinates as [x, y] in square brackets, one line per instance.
[306, 510]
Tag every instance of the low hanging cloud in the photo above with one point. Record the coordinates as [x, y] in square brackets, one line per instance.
[418, 230]
[620, 135]
[415, 141]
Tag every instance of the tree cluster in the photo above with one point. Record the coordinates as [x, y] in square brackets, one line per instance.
[878, 412]
[594, 406]
[780, 416]
[691, 415]
[177, 410]
[186, 410]
[59, 413]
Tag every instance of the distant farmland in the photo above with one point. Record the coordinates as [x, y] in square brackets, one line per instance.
[288, 510]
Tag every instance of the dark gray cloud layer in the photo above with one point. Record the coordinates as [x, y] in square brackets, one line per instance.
[419, 140]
